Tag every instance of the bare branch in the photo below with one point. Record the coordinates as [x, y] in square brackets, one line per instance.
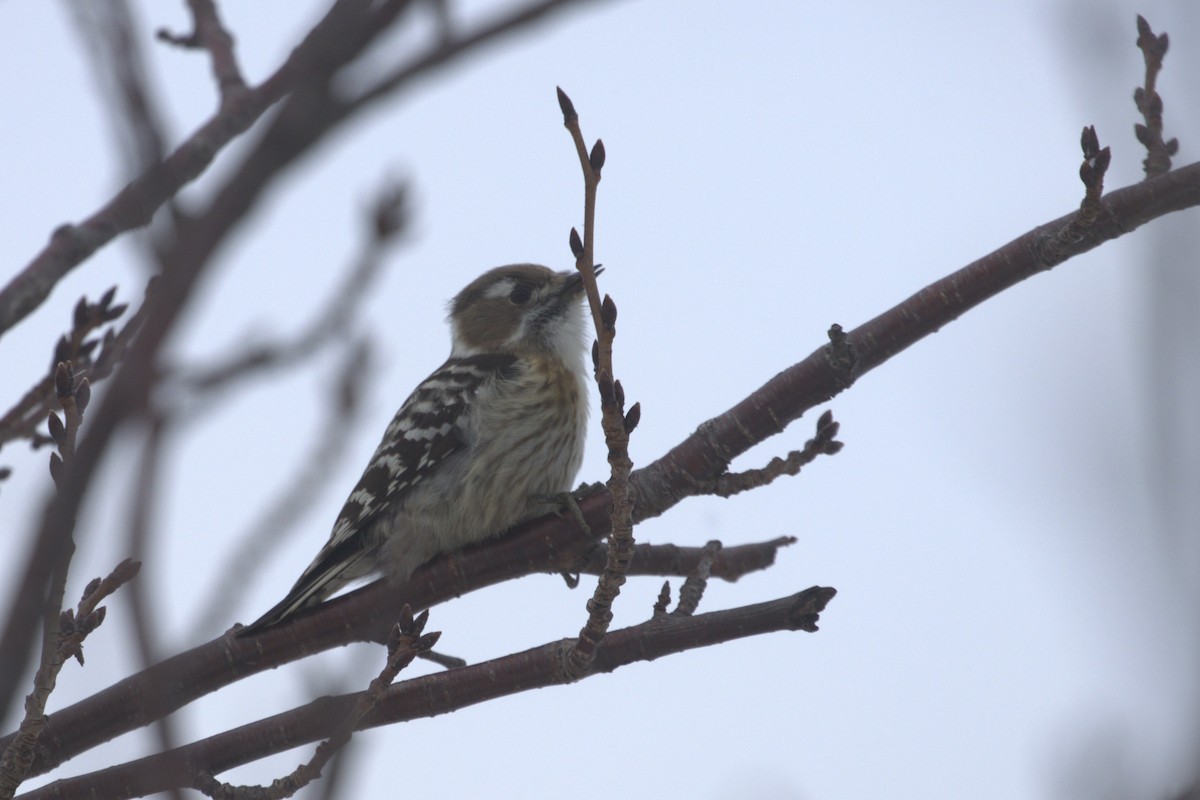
[62, 632]
[441, 692]
[831, 369]
[112, 38]
[549, 545]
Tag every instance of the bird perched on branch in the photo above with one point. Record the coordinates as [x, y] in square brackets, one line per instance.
[486, 441]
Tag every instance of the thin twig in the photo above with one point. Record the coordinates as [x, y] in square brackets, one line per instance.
[405, 644]
[389, 218]
[78, 347]
[1150, 104]
[617, 425]
[65, 632]
[662, 602]
[209, 34]
[18, 755]
[76, 625]
[823, 443]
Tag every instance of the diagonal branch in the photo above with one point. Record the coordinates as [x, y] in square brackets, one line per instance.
[548, 545]
[831, 369]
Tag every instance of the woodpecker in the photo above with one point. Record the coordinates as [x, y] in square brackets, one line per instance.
[487, 441]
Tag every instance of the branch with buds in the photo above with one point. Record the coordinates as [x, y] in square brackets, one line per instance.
[1150, 104]
[616, 422]
[63, 632]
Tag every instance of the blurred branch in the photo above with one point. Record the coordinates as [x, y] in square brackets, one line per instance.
[312, 110]
[389, 219]
[112, 39]
[270, 531]
[24, 419]
[141, 515]
[341, 36]
[443, 692]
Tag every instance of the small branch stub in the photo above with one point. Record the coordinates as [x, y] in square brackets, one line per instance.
[663, 601]
[1091, 172]
[1095, 164]
[823, 443]
[693, 588]
[840, 356]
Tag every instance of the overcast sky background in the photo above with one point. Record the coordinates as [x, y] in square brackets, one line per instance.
[1014, 618]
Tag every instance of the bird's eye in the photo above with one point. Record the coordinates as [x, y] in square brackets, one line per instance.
[520, 294]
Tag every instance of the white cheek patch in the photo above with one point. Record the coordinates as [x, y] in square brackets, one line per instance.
[500, 289]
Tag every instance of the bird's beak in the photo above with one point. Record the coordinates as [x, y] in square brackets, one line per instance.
[573, 284]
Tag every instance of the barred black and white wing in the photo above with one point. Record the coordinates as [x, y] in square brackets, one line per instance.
[429, 428]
